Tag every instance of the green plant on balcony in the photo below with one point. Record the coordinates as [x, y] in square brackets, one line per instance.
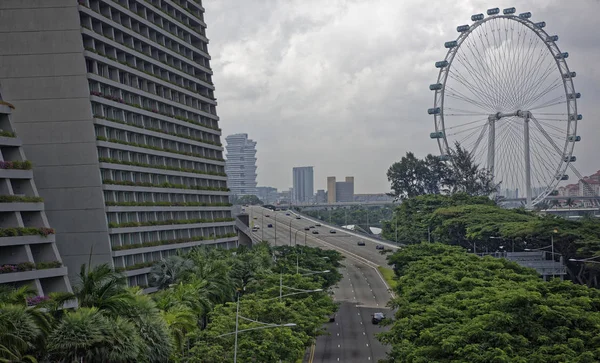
[171, 242]
[164, 185]
[153, 166]
[168, 222]
[7, 134]
[25, 231]
[16, 165]
[47, 265]
[167, 204]
[19, 199]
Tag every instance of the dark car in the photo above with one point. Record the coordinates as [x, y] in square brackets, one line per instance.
[360, 243]
[332, 318]
[376, 318]
[287, 214]
[306, 229]
[379, 247]
[312, 227]
[315, 232]
[270, 225]
[332, 231]
[266, 215]
[318, 224]
[298, 217]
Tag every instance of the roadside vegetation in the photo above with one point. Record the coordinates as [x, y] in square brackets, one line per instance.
[188, 319]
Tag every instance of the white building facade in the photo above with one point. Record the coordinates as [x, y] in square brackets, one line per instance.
[240, 165]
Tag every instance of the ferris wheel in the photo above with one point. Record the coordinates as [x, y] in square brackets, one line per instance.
[505, 93]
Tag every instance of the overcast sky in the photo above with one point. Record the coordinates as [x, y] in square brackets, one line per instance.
[342, 85]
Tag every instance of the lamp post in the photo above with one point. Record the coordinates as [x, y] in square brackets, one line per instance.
[586, 260]
[295, 237]
[291, 219]
[275, 228]
[262, 227]
[281, 285]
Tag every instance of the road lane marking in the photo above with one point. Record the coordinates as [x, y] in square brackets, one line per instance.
[367, 344]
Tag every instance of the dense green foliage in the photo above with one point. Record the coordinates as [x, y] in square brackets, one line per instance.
[457, 307]
[411, 176]
[477, 223]
[356, 215]
[183, 320]
[247, 200]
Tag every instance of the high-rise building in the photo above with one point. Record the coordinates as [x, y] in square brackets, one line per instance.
[115, 106]
[267, 194]
[28, 253]
[321, 196]
[344, 191]
[303, 179]
[241, 165]
[331, 189]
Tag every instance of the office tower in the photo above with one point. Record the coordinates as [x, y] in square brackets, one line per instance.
[241, 165]
[331, 193]
[321, 196]
[303, 180]
[28, 253]
[344, 191]
[115, 106]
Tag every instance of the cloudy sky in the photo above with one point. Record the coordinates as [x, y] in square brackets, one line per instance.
[342, 85]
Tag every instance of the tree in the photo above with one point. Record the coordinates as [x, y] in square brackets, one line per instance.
[170, 270]
[248, 199]
[467, 177]
[22, 332]
[411, 176]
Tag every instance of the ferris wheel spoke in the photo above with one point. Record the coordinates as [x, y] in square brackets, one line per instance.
[478, 86]
[457, 95]
[535, 80]
[548, 89]
[475, 90]
[552, 142]
[478, 140]
[552, 127]
[554, 102]
[465, 124]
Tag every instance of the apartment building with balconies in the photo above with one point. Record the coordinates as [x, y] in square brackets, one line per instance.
[28, 253]
[116, 109]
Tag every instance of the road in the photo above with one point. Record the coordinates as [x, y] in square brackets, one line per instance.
[360, 293]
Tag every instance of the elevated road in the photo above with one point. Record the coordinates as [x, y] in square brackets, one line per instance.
[361, 292]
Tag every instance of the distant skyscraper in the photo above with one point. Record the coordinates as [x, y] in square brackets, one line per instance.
[344, 191]
[331, 189]
[240, 165]
[321, 197]
[303, 184]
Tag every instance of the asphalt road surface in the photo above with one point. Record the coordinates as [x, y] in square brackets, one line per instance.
[361, 292]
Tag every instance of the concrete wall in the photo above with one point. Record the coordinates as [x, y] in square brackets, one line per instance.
[42, 72]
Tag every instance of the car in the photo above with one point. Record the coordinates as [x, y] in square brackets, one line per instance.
[255, 217]
[360, 243]
[298, 217]
[318, 224]
[306, 229]
[287, 214]
[332, 318]
[311, 227]
[376, 318]
[270, 225]
[379, 247]
[254, 229]
[267, 215]
[315, 232]
[332, 231]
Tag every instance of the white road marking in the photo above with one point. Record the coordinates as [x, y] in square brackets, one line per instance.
[339, 345]
[364, 333]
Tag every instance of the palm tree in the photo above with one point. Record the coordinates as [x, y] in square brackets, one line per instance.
[170, 270]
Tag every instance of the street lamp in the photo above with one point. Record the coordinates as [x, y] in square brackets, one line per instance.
[587, 260]
[281, 285]
[237, 331]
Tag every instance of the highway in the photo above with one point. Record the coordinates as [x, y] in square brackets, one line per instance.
[361, 292]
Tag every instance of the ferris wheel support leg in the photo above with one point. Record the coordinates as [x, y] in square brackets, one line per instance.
[527, 163]
[491, 156]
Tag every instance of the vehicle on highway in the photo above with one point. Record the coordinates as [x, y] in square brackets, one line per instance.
[311, 227]
[376, 318]
[254, 229]
[332, 318]
[360, 243]
[267, 215]
[298, 217]
[315, 232]
[255, 217]
[318, 224]
[270, 225]
[379, 247]
[287, 214]
[332, 231]
[306, 229]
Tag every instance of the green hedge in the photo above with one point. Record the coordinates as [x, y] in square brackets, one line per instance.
[8, 134]
[25, 231]
[168, 222]
[17, 198]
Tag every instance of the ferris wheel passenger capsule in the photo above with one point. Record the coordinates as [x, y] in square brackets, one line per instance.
[571, 159]
[552, 38]
[435, 86]
[574, 95]
[436, 135]
[562, 177]
[441, 64]
[562, 55]
[477, 17]
[451, 44]
[541, 24]
[574, 138]
[493, 11]
[509, 11]
[576, 117]
[462, 28]
[526, 15]
[444, 157]
[570, 75]
[434, 111]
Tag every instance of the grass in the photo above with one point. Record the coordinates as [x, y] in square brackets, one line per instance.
[388, 276]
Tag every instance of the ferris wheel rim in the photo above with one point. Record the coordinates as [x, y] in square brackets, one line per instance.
[568, 86]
